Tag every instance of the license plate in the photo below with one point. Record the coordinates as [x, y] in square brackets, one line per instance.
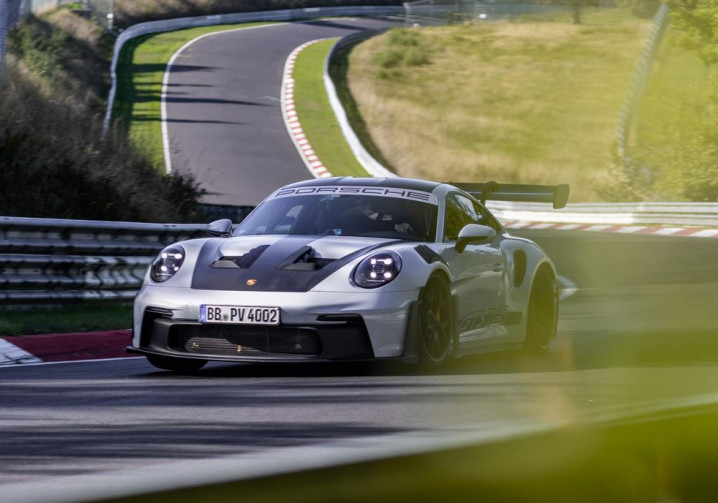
[242, 315]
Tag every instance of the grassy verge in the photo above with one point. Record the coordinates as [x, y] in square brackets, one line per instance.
[140, 73]
[316, 115]
[338, 72]
[532, 101]
[74, 318]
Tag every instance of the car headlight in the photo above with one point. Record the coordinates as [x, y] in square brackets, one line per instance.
[377, 270]
[167, 263]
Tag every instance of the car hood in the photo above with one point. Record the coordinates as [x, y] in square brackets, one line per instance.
[276, 263]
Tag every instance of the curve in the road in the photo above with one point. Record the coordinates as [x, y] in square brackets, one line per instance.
[166, 86]
[224, 123]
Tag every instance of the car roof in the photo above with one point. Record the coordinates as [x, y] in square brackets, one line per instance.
[394, 182]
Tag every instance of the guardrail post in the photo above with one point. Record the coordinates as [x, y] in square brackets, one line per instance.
[4, 24]
[639, 80]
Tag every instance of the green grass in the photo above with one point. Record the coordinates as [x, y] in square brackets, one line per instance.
[140, 72]
[532, 102]
[86, 317]
[316, 115]
[338, 72]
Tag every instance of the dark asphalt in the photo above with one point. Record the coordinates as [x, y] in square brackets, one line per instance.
[225, 124]
[639, 330]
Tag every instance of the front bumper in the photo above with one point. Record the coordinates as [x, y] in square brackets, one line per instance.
[314, 325]
[340, 338]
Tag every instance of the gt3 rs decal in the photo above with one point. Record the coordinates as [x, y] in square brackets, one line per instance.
[414, 195]
[486, 318]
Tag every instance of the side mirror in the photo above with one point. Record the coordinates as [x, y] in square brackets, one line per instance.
[474, 234]
[220, 228]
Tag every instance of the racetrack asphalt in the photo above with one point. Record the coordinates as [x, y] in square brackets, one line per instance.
[225, 122]
[641, 328]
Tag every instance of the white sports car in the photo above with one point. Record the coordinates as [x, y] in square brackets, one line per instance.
[352, 269]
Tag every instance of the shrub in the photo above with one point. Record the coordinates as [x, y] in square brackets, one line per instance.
[404, 48]
[52, 160]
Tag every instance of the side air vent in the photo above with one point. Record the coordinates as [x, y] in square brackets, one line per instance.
[519, 267]
[148, 319]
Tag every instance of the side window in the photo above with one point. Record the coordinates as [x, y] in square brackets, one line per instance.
[486, 218]
[459, 212]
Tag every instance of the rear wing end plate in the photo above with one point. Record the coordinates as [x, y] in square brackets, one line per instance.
[492, 191]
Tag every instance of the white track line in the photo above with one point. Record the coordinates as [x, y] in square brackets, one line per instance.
[10, 354]
[40, 362]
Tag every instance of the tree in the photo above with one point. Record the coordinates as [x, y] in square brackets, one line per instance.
[697, 20]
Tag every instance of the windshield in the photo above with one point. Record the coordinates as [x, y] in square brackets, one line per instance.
[343, 215]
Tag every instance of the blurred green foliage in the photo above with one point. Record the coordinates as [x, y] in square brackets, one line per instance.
[404, 48]
[674, 153]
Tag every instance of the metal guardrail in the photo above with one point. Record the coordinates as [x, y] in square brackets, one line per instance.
[246, 17]
[639, 79]
[59, 260]
[371, 165]
[669, 214]
[71, 260]
[439, 12]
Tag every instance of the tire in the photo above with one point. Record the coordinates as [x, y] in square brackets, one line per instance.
[542, 313]
[176, 364]
[436, 322]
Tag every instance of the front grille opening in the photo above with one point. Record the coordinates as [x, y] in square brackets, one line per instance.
[241, 340]
[148, 319]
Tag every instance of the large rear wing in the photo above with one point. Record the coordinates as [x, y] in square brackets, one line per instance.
[492, 191]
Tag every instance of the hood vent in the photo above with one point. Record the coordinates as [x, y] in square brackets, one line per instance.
[306, 259]
[241, 262]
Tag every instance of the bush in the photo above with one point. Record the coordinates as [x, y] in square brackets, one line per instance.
[405, 47]
[52, 160]
[390, 58]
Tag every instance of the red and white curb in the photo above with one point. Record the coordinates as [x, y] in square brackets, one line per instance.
[291, 119]
[52, 348]
[620, 229]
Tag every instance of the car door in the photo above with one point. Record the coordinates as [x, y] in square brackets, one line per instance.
[478, 272]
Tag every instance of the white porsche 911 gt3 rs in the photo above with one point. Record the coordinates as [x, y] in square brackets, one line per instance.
[352, 269]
